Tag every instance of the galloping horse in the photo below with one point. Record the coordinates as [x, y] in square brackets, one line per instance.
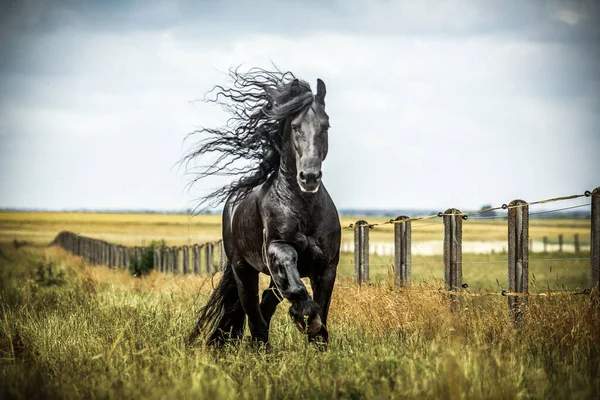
[278, 218]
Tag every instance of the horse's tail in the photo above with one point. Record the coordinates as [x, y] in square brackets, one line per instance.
[223, 316]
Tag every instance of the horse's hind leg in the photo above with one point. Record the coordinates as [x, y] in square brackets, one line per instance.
[223, 315]
[247, 284]
[270, 300]
[231, 324]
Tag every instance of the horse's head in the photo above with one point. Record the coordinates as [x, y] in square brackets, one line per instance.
[308, 135]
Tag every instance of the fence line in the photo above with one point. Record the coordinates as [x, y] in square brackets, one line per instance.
[175, 259]
[518, 248]
[594, 194]
[168, 259]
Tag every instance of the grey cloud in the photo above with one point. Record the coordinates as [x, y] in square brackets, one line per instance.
[408, 83]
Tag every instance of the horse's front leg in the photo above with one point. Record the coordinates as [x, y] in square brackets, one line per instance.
[283, 260]
[246, 279]
[322, 282]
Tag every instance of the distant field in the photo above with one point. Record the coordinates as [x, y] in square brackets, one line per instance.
[137, 229]
[126, 229]
[480, 271]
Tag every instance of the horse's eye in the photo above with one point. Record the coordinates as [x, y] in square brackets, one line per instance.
[296, 128]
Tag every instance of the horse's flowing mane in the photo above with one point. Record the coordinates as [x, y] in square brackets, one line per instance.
[259, 102]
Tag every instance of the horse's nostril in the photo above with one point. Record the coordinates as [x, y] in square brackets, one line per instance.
[310, 176]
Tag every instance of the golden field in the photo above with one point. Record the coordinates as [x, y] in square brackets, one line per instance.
[177, 229]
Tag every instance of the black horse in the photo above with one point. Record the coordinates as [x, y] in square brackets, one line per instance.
[278, 218]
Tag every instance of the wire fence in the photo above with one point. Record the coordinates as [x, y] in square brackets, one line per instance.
[187, 259]
[467, 214]
[518, 245]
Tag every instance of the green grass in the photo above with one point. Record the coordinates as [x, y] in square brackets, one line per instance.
[91, 332]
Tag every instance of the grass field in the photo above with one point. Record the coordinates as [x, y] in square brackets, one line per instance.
[92, 332]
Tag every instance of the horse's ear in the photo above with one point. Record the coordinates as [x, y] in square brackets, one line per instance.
[321, 91]
[295, 89]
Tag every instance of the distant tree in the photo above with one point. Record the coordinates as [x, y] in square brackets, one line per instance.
[488, 213]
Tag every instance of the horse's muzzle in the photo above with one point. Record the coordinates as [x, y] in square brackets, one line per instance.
[309, 181]
[306, 316]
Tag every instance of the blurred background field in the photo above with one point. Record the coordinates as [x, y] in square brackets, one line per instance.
[484, 269]
[178, 229]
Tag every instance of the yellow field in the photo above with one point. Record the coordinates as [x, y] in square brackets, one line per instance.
[127, 229]
[178, 229]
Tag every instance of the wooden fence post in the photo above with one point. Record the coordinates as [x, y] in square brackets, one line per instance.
[186, 260]
[208, 254]
[163, 259]
[595, 241]
[576, 244]
[222, 256]
[156, 260]
[402, 248]
[560, 242]
[106, 253]
[111, 255]
[175, 254]
[453, 252]
[545, 244]
[167, 262]
[196, 259]
[125, 260]
[120, 257]
[361, 252]
[518, 257]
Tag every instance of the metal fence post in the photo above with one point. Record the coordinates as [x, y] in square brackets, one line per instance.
[595, 241]
[518, 256]
[576, 244]
[361, 252]
[402, 255]
[453, 251]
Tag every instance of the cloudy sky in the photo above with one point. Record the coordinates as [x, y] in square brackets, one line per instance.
[432, 104]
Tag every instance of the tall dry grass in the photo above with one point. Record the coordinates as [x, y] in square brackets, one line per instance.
[100, 333]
